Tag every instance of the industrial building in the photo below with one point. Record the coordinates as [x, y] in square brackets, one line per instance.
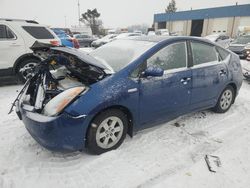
[204, 22]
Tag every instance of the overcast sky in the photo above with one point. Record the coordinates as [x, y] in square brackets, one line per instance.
[114, 13]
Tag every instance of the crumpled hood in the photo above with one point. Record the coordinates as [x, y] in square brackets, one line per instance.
[85, 57]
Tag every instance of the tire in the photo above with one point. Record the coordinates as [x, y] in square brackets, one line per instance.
[104, 135]
[26, 68]
[225, 100]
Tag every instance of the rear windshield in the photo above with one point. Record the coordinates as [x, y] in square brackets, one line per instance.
[38, 32]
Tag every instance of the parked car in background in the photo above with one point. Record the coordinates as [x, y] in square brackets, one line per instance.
[84, 39]
[246, 64]
[138, 31]
[220, 38]
[163, 32]
[16, 38]
[93, 100]
[243, 30]
[66, 30]
[99, 42]
[66, 40]
[128, 35]
[239, 45]
[151, 33]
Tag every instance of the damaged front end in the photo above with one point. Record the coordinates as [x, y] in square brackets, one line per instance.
[63, 75]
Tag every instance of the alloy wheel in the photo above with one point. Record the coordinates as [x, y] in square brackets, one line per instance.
[109, 132]
[226, 99]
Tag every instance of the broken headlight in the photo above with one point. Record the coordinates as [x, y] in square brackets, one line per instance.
[59, 102]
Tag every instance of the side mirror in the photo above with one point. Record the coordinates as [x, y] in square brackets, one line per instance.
[153, 71]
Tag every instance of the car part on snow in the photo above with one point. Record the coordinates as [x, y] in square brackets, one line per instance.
[213, 162]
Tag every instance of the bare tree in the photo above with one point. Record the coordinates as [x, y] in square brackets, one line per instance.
[171, 7]
[90, 18]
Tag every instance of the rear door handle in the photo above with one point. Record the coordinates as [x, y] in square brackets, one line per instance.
[185, 80]
[222, 72]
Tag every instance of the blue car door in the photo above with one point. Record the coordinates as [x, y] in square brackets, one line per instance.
[162, 98]
[209, 75]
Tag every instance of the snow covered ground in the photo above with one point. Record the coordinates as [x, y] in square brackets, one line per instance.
[163, 156]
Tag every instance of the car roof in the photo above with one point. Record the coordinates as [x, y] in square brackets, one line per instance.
[156, 39]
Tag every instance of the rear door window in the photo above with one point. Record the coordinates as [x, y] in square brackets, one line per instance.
[203, 53]
[38, 32]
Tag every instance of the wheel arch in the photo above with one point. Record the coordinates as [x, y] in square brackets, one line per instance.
[234, 86]
[125, 110]
[22, 58]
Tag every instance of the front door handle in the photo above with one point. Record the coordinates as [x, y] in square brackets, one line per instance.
[133, 90]
[185, 80]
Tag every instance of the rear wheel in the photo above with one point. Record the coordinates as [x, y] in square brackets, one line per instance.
[107, 131]
[25, 69]
[225, 100]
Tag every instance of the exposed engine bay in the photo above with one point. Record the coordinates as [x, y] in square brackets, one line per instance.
[60, 69]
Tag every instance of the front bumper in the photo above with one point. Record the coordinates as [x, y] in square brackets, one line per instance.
[62, 133]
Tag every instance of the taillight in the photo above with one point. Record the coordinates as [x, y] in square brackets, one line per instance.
[55, 43]
[76, 43]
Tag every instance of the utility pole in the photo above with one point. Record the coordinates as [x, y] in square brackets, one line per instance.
[79, 14]
[65, 21]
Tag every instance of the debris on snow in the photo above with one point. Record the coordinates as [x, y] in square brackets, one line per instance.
[213, 162]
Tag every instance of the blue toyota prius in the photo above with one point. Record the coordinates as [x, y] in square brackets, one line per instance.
[76, 100]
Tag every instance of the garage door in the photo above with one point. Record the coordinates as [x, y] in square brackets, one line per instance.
[178, 27]
[244, 21]
[220, 25]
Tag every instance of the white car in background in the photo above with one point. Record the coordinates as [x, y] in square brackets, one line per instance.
[151, 33]
[16, 38]
[221, 39]
[99, 42]
[128, 35]
[163, 32]
[111, 37]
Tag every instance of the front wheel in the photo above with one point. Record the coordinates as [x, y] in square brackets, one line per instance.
[26, 69]
[225, 100]
[107, 131]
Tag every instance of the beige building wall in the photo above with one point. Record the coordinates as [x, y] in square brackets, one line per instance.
[227, 25]
[156, 25]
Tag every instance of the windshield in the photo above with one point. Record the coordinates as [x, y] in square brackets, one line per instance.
[120, 53]
[242, 40]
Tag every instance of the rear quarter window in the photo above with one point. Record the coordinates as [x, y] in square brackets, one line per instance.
[6, 33]
[223, 53]
[38, 32]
